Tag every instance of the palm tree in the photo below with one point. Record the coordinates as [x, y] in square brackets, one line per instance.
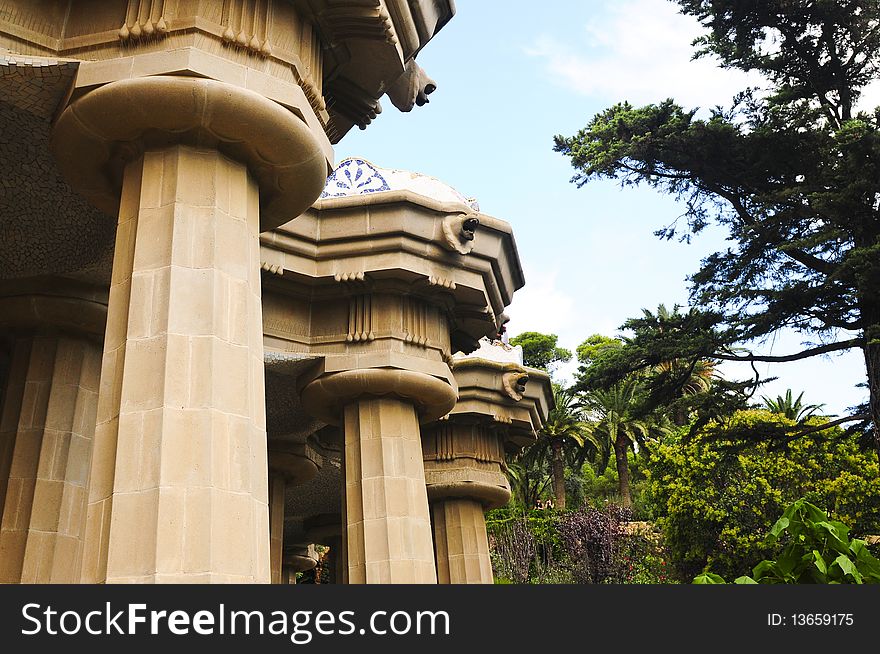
[527, 482]
[619, 426]
[791, 408]
[687, 378]
[562, 440]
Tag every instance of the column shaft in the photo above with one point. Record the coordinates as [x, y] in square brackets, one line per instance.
[337, 559]
[47, 426]
[179, 487]
[386, 506]
[461, 542]
[277, 488]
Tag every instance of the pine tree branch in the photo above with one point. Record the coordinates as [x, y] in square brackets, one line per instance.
[804, 258]
[805, 354]
[817, 428]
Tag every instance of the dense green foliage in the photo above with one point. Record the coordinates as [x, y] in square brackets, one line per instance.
[814, 550]
[540, 350]
[715, 497]
[594, 346]
[791, 171]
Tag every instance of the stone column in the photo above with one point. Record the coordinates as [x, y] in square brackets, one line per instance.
[463, 472]
[461, 542]
[183, 375]
[385, 506]
[277, 487]
[290, 464]
[338, 559]
[46, 429]
[179, 488]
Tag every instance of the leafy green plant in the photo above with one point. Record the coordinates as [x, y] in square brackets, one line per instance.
[564, 440]
[715, 496]
[816, 550]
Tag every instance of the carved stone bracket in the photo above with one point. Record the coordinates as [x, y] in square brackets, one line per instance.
[360, 319]
[349, 100]
[412, 88]
[459, 232]
[353, 277]
[144, 19]
[246, 24]
[515, 384]
[442, 282]
[275, 269]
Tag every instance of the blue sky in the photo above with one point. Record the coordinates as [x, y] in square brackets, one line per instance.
[512, 74]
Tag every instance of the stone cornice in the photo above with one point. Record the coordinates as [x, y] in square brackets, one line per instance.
[487, 391]
[318, 44]
[400, 235]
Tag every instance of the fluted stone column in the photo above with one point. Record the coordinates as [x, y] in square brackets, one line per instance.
[46, 429]
[464, 477]
[386, 516]
[179, 488]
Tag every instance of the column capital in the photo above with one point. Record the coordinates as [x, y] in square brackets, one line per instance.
[54, 305]
[298, 463]
[300, 558]
[326, 396]
[98, 133]
[464, 460]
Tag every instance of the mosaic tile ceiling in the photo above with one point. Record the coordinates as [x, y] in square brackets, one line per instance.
[45, 227]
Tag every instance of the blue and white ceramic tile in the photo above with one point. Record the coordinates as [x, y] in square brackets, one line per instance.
[354, 177]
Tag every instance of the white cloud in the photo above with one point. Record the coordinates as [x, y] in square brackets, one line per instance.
[870, 97]
[640, 50]
[541, 306]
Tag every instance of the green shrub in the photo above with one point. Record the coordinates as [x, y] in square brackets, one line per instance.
[816, 550]
[715, 498]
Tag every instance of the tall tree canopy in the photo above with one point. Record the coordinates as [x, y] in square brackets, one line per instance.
[540, 350]
[791, 170]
